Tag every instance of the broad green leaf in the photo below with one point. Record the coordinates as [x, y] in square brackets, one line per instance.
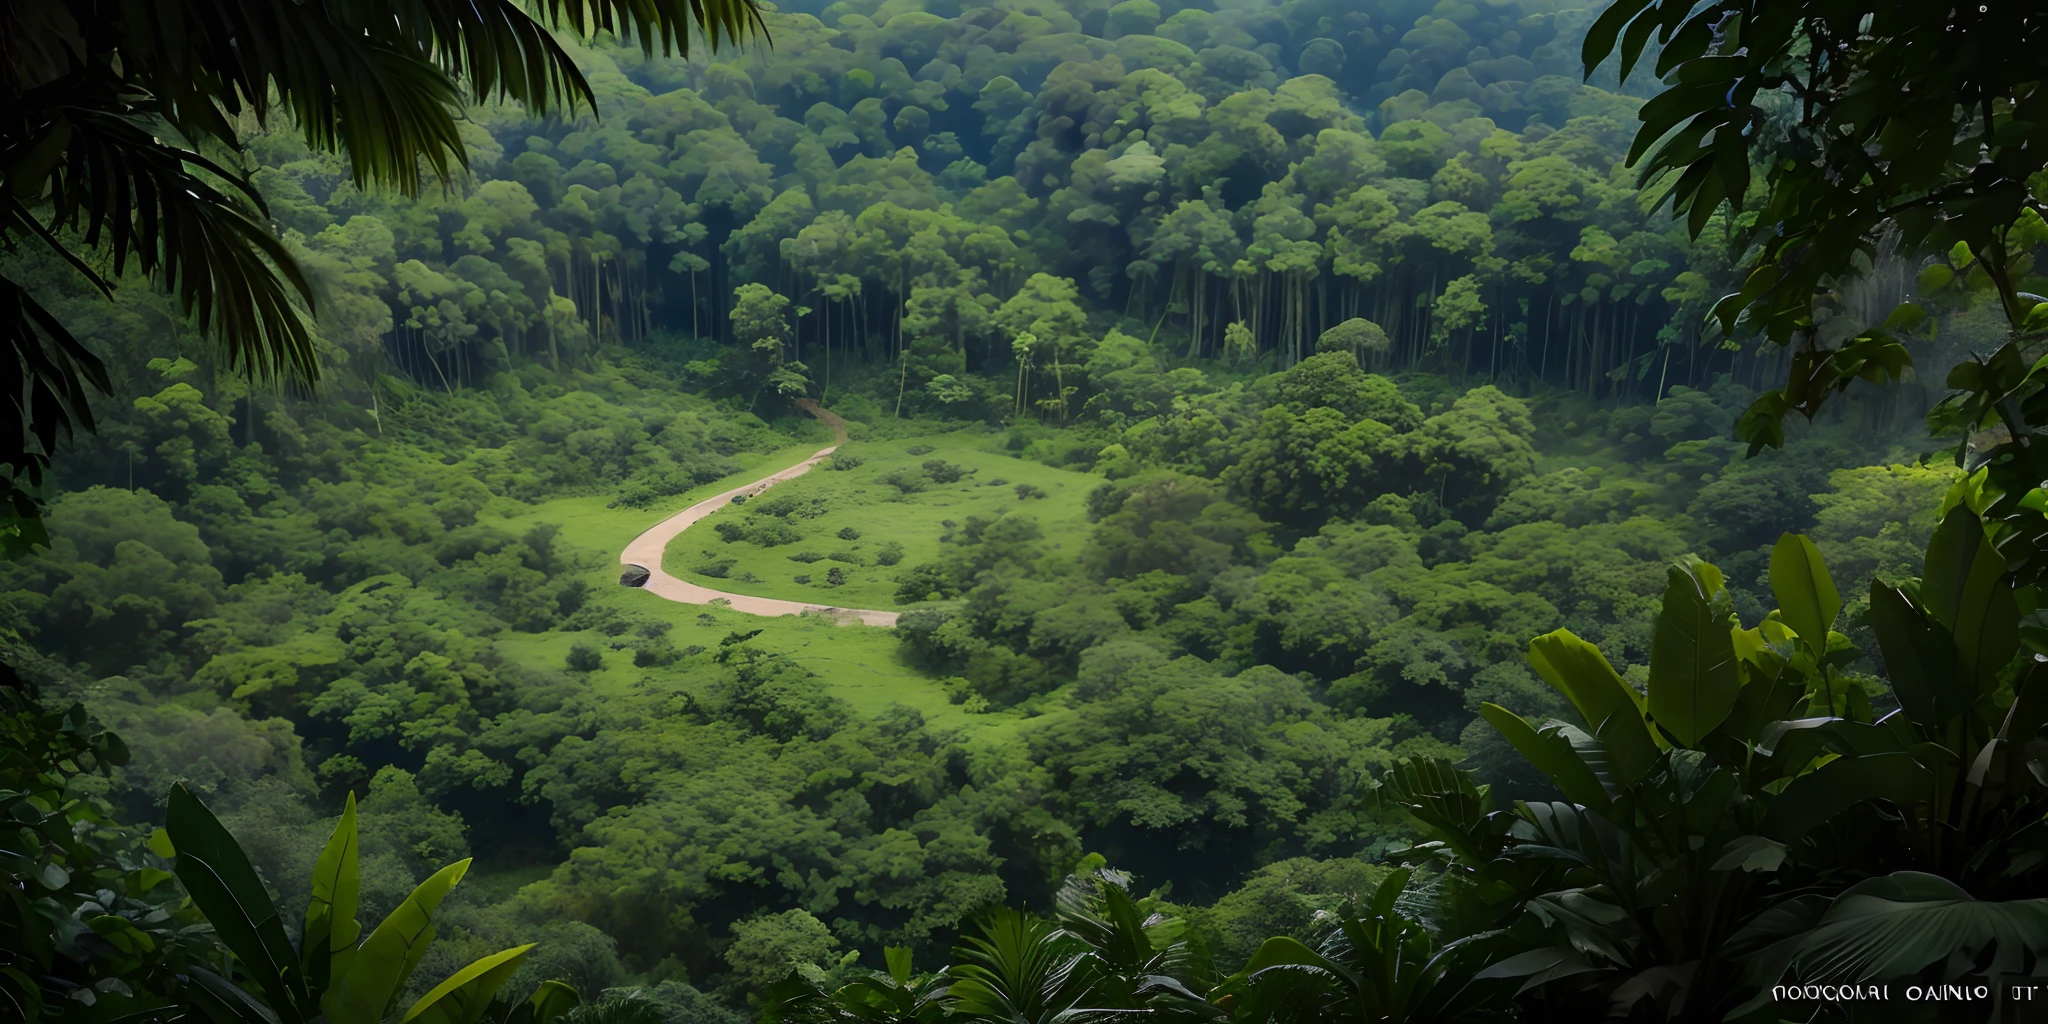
[384, 962]
[1445, 799]
[52, 876]
[1538, 966]
[1935, 278]
[1965, 588]
[1582, 836]
[1613, 710]
[222, 1001]
[1281, 950]
[1762, 425]
[467, 993]
[1919, 657]
[1973, 490]
[2037, 317]
[1389, 891]
[1632, 42]
[34, 944]
[1806, 593]
[1281, 972]
[1898, 924]
[331, 927]
[1551, 753]
[225, 888]
[1693, 675]
[550, 1002]
[898, 960]
[2001, 761]
[1904, 317]
[1768, 692]
[1751, 853]
[21, 994]
[1766, 942]
[1606, 30]
[1813, 798]
[1873, 357]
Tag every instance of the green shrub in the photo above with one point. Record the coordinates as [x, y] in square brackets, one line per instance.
[585, 658]
[906, 481]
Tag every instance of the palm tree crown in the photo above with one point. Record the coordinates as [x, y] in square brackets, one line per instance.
[120, 144]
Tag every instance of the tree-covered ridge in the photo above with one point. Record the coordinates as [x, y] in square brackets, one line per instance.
[1369, 356]
[360, 598]
[901, 176]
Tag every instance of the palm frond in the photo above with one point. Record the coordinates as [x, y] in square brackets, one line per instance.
[493, 45]
[378, 78]
[1020, 969]
[667, 23]
[143, 200]
[48, 401]
[105, 145]
[363, 87]
[1900, 924]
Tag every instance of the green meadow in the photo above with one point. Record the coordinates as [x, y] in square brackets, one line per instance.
[861, 665]
[843, 533]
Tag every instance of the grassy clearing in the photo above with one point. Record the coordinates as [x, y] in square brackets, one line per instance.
[860, 664]
[788, 542]
[587, 522]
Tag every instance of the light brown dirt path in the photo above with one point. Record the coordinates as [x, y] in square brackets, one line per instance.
[646, 549]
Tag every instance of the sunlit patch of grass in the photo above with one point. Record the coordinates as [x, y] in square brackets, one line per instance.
[848, 533]
[861, 665]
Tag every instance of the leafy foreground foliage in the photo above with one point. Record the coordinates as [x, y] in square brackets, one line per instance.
[337, 973]
[95, 931]
[1373, 964]
[1898, 133]
[1749, 820]
[122, 124]
[298, 599]
[91, 928]
[1290, 580]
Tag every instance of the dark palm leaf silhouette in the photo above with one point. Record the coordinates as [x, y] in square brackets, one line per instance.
[1022, 970]
[896, 996]
[1137, 960]
[120, 135]
[1374, 966]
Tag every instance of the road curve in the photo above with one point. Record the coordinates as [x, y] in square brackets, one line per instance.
[646, 549]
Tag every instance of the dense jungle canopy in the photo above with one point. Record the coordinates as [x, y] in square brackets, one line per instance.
[1234, 390]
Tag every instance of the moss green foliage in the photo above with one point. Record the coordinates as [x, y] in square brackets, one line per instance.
[1232, 393]
[899, 507]
[1836, 892]
[69, 859]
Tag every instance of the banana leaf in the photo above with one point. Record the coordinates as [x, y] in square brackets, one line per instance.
[224, 886]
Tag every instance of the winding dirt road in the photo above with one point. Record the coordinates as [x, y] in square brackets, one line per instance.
[646, 549]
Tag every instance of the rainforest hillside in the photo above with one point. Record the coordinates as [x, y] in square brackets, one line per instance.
[1234, 390]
